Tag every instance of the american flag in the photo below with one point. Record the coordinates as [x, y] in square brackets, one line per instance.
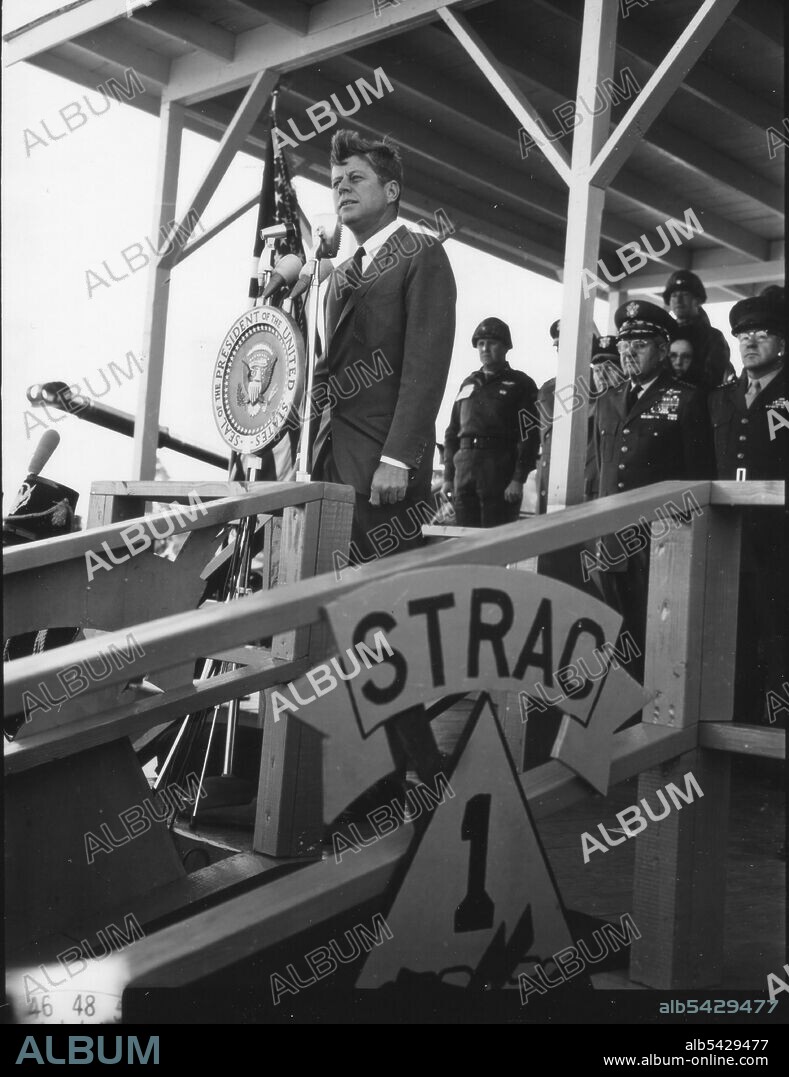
[278, 205]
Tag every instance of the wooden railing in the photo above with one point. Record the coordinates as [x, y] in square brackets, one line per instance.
[689, 726]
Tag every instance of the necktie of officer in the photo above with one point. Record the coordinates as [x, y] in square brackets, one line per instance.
[633, 394]
[754, 388]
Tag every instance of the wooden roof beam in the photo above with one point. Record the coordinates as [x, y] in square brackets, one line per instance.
[215, 229]
[188, 30]
[52, 30]
[290, 14]
[235, 135]
[665, 80]
[111, 45]
[724, 275]
[703, 81]
[507, 89]
[336, 26]
[672, 142]
[658, 200]
[439, 99]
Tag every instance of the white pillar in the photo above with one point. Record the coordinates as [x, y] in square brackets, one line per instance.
[146, 427]
[584, 216]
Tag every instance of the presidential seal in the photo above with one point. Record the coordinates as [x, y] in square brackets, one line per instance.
[258, 379]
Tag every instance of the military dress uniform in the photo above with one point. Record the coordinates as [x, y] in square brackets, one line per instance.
[492, 438]
[752, 443]
[661, 434]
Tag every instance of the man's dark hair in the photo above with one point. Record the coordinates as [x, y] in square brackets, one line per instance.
[384, 155]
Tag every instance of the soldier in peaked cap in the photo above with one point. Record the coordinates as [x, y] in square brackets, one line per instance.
[606, 371]
[486, 460]
[750, 418]
[605, 360]
[683, 295]
[650, 429]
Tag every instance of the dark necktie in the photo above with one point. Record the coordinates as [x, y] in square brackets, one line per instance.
[349, 277]
[633, 394]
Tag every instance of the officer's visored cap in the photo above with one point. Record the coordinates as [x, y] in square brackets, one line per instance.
[554, 330]
[604, 350]
[765, 312]
[640, 319]
[492, 329]
[682, 280]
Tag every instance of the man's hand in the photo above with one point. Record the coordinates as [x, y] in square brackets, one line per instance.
[389, 484]
[514, 492]
[448, 489]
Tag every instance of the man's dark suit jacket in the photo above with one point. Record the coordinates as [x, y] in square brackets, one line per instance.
[404, 309]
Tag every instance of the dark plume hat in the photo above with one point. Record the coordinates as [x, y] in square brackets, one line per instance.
[605, 349]
[42, 509]
[493, 329]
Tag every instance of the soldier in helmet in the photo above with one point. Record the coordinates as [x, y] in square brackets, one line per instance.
[486, 460]
[683, 295]
[750, 418]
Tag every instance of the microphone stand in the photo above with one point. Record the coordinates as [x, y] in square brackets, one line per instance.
[225, 789]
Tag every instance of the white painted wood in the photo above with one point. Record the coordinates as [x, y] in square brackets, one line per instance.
[67, 21]
[584, 216]
[215, 229]
[232, 140]
[507, 89]
[336, 26]
[146, 429]
[665, 80]
[189, 30]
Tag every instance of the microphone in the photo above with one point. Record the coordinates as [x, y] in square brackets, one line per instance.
[306, 275]
[326, 233]
[276, 231]
[285, 273]
[47, 444]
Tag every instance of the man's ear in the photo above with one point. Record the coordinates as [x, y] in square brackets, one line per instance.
[392, 191]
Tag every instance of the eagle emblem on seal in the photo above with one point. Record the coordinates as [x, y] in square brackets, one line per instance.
[258, 372]
[631, 310]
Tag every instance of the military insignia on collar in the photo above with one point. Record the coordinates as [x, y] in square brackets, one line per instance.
[631, 310]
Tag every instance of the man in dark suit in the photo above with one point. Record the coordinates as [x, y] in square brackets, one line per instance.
[749, 421]
[649, 429]
[392, 306]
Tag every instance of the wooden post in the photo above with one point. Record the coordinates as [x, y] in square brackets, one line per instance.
[584, 217]
[289, 817]
[680, 867]
[146, 427]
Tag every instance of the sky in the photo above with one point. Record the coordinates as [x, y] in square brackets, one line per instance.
[73, 201]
